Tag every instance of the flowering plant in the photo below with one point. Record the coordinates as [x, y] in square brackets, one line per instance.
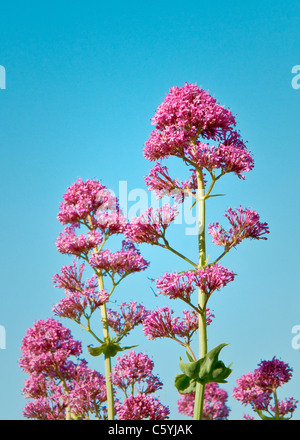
[259, 390]
[193, 127]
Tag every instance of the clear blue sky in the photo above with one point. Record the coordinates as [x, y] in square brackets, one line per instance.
[83, 80]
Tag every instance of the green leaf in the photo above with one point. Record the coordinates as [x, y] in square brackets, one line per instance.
[95, 351]
[184, 384]
[205, 370]
[109, 349]
[189, 357]
[190, 369]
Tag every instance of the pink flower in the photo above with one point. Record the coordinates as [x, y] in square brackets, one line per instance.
[244, 224]
[47, 347]
[150, 226]
[124, 262]
[247, 391]
[70, 278]
[159, 181]
[181, 285]
[184, 114]
[257, 388]
[69, 243]
[142, 407]
[82, 298]
[130, 316]
[134, 370]
[212, 278]
[45, 408]
[74, 305]
[162, 324]
[80, 200]
[286, 406]
[110, 222]
[228, 158]
[83, 393]
[176, 285]
[273, 374]
[215, 403]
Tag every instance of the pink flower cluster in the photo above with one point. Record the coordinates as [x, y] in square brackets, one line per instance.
[150, 226]
[82, 298]
[130, 316]
[245, 223]
[187, 113]
[257, 388]
[159, 181]
[142, 407]
[56, 384]
[181, 285]
[69, 243]
[161, 323]
[184, 114]
[126, 261]
[80, 200]
[134, 371]
[92, 204]
[215, 403]
[133, 374]
[47, 347]
[228, 158]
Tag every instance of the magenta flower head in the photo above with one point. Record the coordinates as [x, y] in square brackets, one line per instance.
[69, 243]
[142, 407]
[245, 223]
[80, 200]
[159, 181]
[161, 323]
[150, 226]
[126, 261]
[47, 347]
[184, 114]
[259, 388]
[134, 370]
[130, 315]
[215, 403]
[181, 285]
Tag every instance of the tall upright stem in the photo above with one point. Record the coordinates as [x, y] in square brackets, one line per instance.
[107, 361]
[199, 396]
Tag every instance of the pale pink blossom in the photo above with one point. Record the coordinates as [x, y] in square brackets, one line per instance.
[133, 372]
[126, 261]
[161, 323]
[69, 243]
[182, 285]
[257, 389]
[245, 223]
[129, 316]
[80, 200]
[151, 226]
[142, 407]
[215, 403]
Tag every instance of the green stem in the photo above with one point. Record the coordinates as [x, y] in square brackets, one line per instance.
[167, 246]
[107, 361]
[202, 300]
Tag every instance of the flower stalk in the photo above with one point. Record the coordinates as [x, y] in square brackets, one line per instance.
[202, 300]
[107, 358]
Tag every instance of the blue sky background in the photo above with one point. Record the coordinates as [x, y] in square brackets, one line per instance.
[83, 81]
